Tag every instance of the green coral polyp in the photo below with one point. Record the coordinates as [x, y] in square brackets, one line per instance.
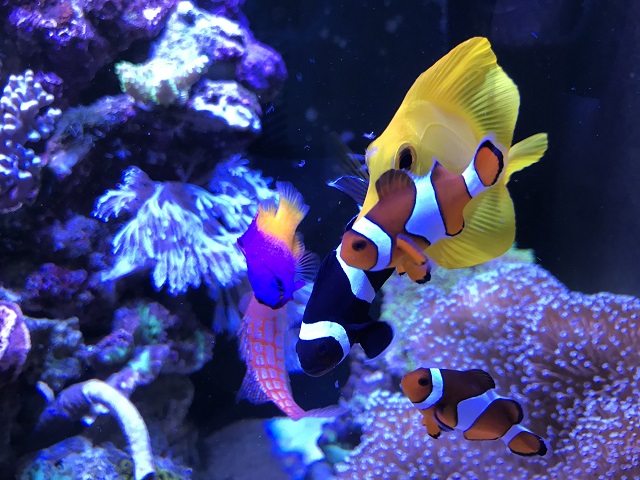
[161, 81]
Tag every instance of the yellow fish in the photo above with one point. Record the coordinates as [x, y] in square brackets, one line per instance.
[461, 100]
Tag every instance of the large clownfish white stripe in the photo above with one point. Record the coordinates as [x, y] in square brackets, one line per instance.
[512, 432]
[425, 220]
[313, 331]
[469, 410]
[360, 285]
[380, 239]
[436, 394]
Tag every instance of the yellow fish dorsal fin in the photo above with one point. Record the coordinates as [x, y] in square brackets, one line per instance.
[489, 231]
[469, 83]
[525, 153]
[393, 181]
[283, 222]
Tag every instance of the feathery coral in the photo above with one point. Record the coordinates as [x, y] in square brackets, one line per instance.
[185, 233]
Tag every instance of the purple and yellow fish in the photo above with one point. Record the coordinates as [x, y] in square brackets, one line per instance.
[467, 401]
[277, 262]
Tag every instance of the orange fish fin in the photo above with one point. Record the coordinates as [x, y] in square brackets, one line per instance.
[411, 248]
[527, 443]
[429, 421]
[394, 181]
[488, 162]
[401, 270]
[251, 390]
[418, 273]
[480, 381]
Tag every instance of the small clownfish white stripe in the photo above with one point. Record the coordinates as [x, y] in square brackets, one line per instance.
[380, 239]
[360, 285]
[314, 331]
[426, 220]
[436, 394]
[513, 431]
[471, 409]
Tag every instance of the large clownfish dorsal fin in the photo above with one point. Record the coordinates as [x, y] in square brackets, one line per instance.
[392, 182]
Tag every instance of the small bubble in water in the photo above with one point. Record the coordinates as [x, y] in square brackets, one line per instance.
[299, 163]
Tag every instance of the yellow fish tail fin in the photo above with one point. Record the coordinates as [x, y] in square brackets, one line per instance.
[291, 210]
[489, 231]
[469, 83]
[525, 153]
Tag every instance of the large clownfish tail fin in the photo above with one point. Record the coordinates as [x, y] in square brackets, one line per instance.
[525, 153]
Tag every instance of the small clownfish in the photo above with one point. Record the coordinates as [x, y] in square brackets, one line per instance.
[415, 212]
[466, 401]
[277, 262]
[463, 99]
[337, 316]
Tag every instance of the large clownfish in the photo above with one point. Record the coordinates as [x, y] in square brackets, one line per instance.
[455, 105]
[415, 212]
[467, 401]
[277, 262]
[337, 316]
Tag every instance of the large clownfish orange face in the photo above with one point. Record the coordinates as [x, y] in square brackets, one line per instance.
[417, 385]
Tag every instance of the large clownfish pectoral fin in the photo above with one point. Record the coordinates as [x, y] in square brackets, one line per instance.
[429, 421]
[417, 273]
[374, 337]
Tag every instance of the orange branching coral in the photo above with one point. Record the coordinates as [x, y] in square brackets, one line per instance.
[571, 360]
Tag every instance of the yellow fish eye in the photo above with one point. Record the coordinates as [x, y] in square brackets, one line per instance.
[405, 157]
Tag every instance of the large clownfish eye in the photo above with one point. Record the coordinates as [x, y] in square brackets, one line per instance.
[406, 157]
[423, 382]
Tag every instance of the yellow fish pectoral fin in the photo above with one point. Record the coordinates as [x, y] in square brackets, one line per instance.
[469, 83]
[489, 231]
[525, 153]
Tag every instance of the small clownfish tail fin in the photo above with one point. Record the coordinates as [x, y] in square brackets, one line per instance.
[524, 442]
[469, 82]
[525, 153]
[394, 181]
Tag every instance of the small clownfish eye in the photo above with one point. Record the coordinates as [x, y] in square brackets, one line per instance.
[423, 382]
[406, 157]
[359, 245]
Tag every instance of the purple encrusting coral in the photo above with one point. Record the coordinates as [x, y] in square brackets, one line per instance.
[21, 122]
[570, 359]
